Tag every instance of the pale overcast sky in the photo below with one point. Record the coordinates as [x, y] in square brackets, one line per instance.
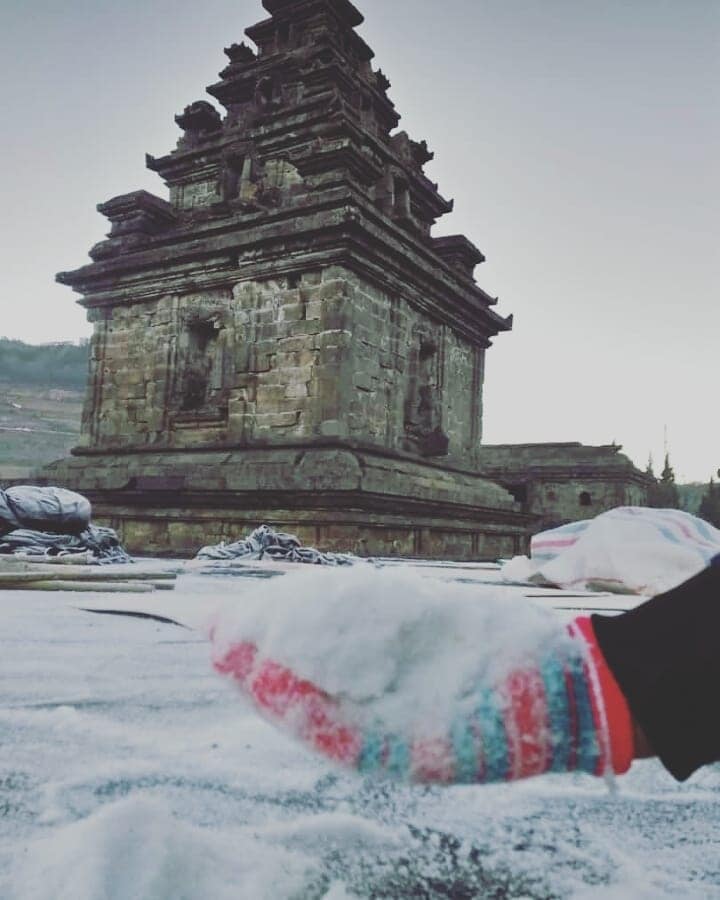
[579, 139]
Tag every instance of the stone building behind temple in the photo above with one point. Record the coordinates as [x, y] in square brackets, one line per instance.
[283, 340]
[564, 482]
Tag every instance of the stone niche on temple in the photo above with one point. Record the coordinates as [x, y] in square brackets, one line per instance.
[283, 340]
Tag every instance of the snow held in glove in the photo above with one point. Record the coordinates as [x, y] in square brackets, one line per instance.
[390, 646]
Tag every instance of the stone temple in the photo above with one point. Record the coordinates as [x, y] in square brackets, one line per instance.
[283, 340]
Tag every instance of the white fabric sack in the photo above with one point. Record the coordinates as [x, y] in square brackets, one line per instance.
[628, 550]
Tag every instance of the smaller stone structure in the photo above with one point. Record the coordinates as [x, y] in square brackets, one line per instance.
[561, 483]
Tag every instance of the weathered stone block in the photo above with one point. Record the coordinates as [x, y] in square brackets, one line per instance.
[333, 428]
[291, 312]
[331, 470]
[364, 381]
[296, 390]
[277, 420]
[314, 309]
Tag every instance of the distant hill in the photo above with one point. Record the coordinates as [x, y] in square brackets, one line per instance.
[41, 394]
[62, 365]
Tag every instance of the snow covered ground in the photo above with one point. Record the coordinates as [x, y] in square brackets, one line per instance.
[129, 769]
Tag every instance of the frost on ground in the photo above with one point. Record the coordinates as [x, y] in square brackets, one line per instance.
[130, 770]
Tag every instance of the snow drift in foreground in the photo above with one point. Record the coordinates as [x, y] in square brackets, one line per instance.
[130, 771]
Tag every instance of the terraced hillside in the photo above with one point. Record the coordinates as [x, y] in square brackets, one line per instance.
[41, 394]
[37, 425]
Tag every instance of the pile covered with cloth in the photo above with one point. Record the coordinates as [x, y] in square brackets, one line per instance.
[276, 545]
[630, 549]
[45, 522]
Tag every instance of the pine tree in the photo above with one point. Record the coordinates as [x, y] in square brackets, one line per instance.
[668, 488]
[653, 491]
[649, 471]
[710, 505]
[652, 485]
[663, 494]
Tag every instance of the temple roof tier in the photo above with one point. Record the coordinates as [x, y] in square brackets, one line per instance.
[344, 9]
[304, 163]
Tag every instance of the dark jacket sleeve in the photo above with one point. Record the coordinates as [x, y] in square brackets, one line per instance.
[665, 656]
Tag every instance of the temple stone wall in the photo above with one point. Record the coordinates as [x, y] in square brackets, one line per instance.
[176, 502]
[412, 377]
[278, 360]
[185, 533]
[462, 390]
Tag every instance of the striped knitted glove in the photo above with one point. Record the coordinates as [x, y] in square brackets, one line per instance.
[558, 715]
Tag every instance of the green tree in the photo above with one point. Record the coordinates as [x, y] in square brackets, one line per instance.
[663, 493]
[710, 505]
[653, 493]
[649, 471]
